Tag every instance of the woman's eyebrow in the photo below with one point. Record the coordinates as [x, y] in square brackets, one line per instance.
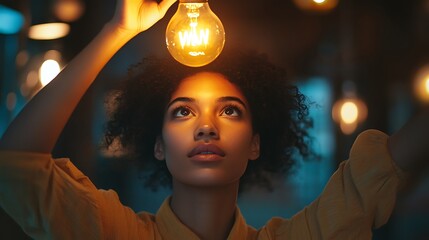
[181, 99]
[221, 99]
[231, 98]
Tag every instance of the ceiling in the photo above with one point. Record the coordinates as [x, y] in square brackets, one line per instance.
[374, 43]
[356, 32]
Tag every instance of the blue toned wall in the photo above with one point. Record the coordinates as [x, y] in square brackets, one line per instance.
[11, 22]
[310, 175]
[9, 82]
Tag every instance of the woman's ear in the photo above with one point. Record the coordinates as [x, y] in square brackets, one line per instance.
[255, 147]
[158, 150]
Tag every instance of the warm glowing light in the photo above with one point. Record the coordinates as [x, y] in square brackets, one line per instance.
[421, 84]
[24, 90]
[427, 85]
[11, 101]
[52, 54]
[21, 58]
[316, 5]
[195, 36]
[30, 83]
[349, 112]
[48, 31]
[348, 128]
[69, 10]
[32, 79]
[48, 71]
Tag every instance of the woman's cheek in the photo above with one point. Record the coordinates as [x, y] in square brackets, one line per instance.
[176, 139]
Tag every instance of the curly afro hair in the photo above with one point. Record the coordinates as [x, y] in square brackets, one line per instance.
[279, 113]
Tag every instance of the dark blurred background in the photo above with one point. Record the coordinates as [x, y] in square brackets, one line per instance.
[371, 52]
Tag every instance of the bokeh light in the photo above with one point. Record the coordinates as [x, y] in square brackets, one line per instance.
[348, 113]
[69, 10]
[316, 5]
[427, 85]
[48, 31]
[421, 84]
[11, 101]
[11, 21]
[48, 71]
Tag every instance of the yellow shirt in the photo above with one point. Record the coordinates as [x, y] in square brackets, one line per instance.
[51, 199]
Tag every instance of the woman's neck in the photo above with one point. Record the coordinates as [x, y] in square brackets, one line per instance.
[208, 212]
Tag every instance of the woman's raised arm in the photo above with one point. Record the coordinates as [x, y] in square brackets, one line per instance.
[38, 126]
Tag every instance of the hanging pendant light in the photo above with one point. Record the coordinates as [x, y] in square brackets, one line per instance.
[348, 112]
[316, 5]
[421, 84]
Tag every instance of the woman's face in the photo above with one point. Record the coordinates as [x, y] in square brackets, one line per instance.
[207, 136]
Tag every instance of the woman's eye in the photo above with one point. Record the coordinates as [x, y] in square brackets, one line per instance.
[182, 112]
[231, 111]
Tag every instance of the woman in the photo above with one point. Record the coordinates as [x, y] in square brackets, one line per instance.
[210, 131]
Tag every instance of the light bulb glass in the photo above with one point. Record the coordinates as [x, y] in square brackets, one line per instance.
[427, 85]
[316, 5]
[319, 1]
[195, 36]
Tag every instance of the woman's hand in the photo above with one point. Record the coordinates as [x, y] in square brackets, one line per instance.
[51, 108]
[135, 16]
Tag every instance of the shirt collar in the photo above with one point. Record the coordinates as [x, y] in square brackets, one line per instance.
[170, 227]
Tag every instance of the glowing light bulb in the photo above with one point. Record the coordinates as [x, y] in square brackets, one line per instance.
[48, 71]
[195, 36]
[421, 84]
[349, 112]
[319, 1]
[321, 6]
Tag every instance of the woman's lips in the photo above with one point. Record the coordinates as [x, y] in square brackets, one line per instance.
[206, 153]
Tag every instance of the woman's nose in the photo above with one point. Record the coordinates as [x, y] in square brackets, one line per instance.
[206, 132]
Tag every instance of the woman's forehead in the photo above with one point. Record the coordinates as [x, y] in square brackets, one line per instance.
[206, 84]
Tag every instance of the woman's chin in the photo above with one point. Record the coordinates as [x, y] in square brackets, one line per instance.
[207, 178]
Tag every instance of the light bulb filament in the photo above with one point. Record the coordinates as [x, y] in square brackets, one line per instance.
[195, 54]
[193, 38]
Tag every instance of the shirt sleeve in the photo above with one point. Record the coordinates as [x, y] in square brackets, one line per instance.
[52, 199]
[359, 196]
